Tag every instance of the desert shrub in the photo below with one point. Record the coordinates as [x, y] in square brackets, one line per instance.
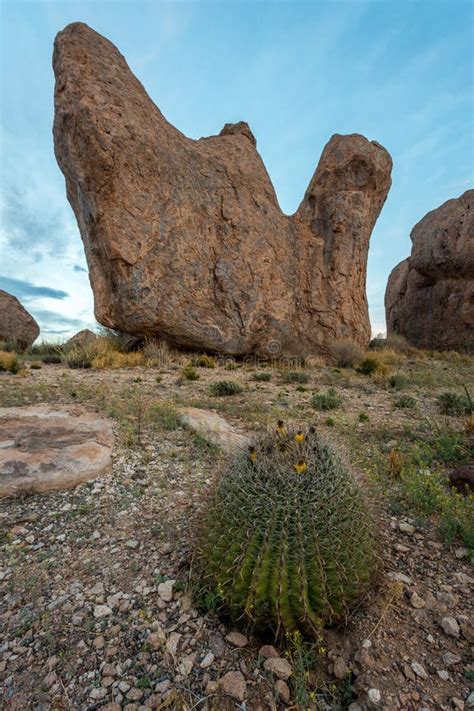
[329, 422]
[262, 377]
[454, 404]
[347, 354]
[52, 359]
[188, 373]
[9, 362]
[329, 400]
[371, 365]
[230, 365]
[295, 376]
[405, 402]
[35, 366]
[225, 387]
[78, 358]
[287, 540]
[204, 361]
[398, 381]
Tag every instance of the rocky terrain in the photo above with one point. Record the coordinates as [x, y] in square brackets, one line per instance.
[430, 296]
[99, 606]
[186, 240]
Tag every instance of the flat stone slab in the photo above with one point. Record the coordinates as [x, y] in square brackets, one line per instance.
[213, 428]
[45, 448]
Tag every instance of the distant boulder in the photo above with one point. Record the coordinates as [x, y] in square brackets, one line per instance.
[17, 326]
[430, 296]
[81, 339]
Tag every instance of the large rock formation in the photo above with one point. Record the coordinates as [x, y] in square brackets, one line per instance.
[430, 296]
[17, 327]
[185, 239]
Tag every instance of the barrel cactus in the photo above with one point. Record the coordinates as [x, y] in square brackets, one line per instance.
[287, 540]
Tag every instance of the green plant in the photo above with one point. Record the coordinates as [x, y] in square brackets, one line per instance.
[262, 377]
[454, 404]
[326, 401]
[363, 417]
[405, 402]
[35, 366]
[398, 381]
[164, 415]
[78, 358]
[204, 361]
[222, 388]
[329, 422]
[287, 540]
[188, 373]
[294, 376]
[346, 354]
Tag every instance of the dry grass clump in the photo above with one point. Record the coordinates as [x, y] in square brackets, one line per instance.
[347, 354]
[372, 365]
[114, 359]
[204, 361]
[9, 362]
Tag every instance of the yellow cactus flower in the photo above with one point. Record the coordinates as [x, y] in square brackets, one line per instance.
[299, 436]
[280, 427]
[301, 467]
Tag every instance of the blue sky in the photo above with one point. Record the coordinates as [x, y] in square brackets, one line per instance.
[398, 72]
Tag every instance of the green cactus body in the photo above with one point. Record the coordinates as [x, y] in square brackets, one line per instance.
[283, 549]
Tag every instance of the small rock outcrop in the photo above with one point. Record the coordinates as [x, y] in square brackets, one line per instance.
[17, 326]
[430, 296]
[43, 448]
[185, 239]
[81, 339]
[213, 428]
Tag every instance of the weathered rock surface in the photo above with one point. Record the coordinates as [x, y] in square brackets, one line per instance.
[17, 326]
[43, 448]
[81, 339]
[213, 428]
[185, 238]
[430, 296]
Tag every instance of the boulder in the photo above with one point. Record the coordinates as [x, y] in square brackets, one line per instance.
[17, 326]
[213, 428]
[185, 239]
[430, 296]
[43, 447]
[81, 339]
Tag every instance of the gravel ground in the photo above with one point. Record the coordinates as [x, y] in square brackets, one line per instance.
[97, 608]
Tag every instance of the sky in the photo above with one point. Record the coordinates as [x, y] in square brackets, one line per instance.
[399, 72]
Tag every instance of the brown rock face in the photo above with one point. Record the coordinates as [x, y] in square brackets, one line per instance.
[430, 296]
[185, 239]
[17, 326]
[43, 448]
[81, 339]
